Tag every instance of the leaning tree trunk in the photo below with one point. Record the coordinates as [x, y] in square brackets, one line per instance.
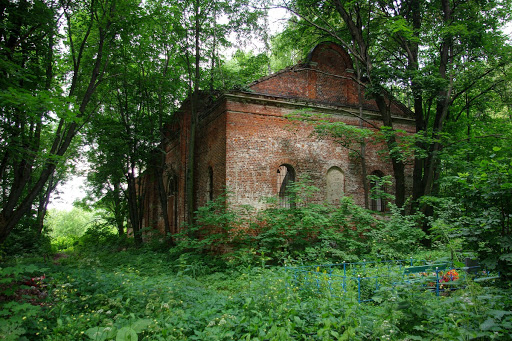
[44, 200]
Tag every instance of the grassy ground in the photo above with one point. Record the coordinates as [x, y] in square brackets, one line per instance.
[145, 295]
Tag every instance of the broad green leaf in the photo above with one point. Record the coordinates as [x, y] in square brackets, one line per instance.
[488, 324]
[97, 333]
[141, 324]
[126, 334]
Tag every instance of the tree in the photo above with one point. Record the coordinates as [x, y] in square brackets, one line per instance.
[38, 119]
[105, 180]
[476, 182]
[432, 54]
[144, 83]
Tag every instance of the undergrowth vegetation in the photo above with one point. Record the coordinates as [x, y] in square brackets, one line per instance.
[103, 288]
[140, 294]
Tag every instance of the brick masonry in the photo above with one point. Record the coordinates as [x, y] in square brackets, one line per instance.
[244, 137]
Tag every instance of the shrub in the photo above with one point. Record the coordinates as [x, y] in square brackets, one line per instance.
[307, 231]
[397, 235]
[25, 239]
[102, 236]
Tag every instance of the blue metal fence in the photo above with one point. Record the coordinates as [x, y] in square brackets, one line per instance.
[368, 276]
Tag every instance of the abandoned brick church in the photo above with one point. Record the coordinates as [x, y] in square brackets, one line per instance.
[245, 143]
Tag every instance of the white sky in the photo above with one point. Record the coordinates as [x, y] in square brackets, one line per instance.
[70, 192]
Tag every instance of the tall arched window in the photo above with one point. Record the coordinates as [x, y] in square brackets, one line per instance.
[172, 185]
[377, 189]
[285, 178]
[335, 185]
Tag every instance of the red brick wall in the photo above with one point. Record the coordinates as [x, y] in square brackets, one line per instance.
[326, 77]
[260, 139]
[245, 137]
[211, 152]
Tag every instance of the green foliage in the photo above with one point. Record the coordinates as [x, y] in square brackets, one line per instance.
[244, 68]
[215, 226]
[142, 295]
[378, 188]
[474, 208]
[102, 236]
[72, 223]
[398, 236]
[20, 304]
[346, 135]
[26, 240]
[308, 231]
[66, 227]
[480, 215]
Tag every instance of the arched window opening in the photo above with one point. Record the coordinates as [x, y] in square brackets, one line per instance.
[335, 185]
[377, 192]
[285, 178]
[209, 185]
[172, 186]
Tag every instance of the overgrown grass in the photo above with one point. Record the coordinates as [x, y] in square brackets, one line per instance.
[147, 295]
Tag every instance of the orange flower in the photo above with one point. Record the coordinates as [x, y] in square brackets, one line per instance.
[451, 275]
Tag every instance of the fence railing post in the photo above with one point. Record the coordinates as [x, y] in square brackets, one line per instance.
[359, 288]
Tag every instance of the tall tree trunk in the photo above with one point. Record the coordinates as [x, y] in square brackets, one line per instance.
[118, 214]
[190, 190]
[364, 172]
[431, 166]
[133, 207]
[398, 165]
[412, 48]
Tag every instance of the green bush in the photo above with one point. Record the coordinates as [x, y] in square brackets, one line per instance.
[26, 240]
[102, 236]
[397, 235]
[306, 231]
